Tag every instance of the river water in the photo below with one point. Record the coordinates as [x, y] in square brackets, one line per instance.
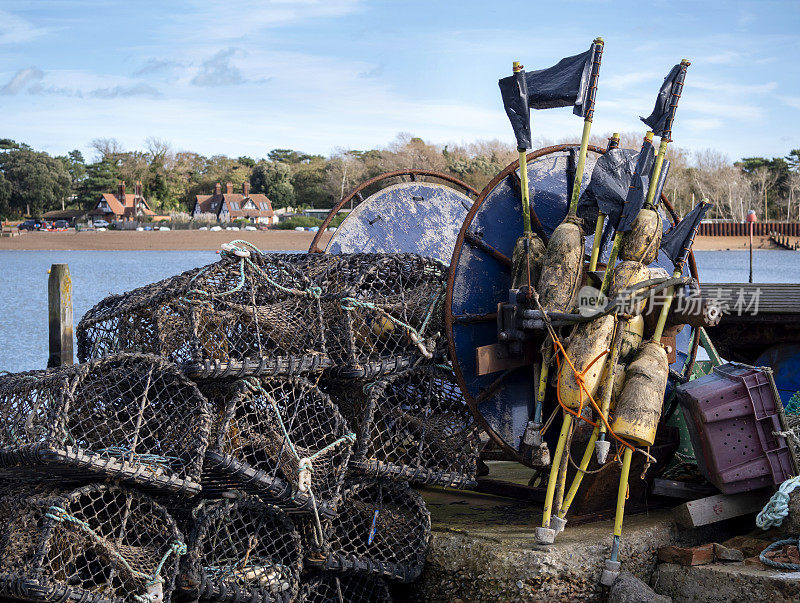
[96, 274]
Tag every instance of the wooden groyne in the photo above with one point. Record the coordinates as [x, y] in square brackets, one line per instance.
[741, 229]
[783, 241]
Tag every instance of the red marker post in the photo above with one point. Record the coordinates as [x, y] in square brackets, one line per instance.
[751, 219]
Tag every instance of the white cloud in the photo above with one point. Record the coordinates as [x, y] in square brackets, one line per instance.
[21, 79]
[16, 30]
[216, 20]
[219, 71]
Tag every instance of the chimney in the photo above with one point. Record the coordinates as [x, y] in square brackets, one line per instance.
[229, 188]
[138, 189]
[217, 189]
[121, 191]
[246, 189]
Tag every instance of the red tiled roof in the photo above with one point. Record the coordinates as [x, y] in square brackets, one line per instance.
[129, 209]
[234, 203]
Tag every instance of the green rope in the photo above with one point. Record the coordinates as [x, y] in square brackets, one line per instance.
[60, 515]
[793, 405]
[126, 454]
[773, 513]
[348, 437]
[351, 303]
[779, 564]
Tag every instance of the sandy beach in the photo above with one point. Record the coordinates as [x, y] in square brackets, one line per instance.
[273, 240]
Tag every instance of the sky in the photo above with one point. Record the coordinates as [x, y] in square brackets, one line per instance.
[242, 77]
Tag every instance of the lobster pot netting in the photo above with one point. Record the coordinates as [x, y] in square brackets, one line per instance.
[278, 313]
[335, 588]
[280, 438]
[132, 417]
[413, 425]
[98, 543]
[241, 550]
[382, 528]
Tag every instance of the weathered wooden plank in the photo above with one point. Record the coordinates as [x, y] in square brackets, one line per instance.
[59, 313]
[719, 507]
[684, 490]
[489, 359]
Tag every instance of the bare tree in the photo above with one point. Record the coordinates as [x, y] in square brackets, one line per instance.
[763, 180]
[107, 147]
[793, 185]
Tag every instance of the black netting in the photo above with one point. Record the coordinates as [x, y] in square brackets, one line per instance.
[241, 550]
[382, 527]
[413, 425]
[132, 417]
[336, 588]
[98, 543]
[271, 435]
[362, 314]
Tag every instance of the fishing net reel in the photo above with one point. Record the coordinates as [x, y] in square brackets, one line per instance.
[130, 417]
[256, 313]
[413, 425]
[98, 543]
[280, 438]
[241, 550]
[334, 588]
[382, 528]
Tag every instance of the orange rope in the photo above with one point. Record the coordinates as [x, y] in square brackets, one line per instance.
[583, 390]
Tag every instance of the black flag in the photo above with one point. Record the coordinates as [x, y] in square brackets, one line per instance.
[662, 178]
[677, 241]
[608, 187]
[565, 83]
[660, 119]
[637, 191]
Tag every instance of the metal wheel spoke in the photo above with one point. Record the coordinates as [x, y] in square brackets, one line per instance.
[479, 243]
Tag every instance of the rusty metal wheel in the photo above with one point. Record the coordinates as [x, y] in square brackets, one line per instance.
[421, 213]
[480, 278]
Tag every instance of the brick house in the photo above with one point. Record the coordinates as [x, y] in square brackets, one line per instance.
[122, 206]
[229, 206]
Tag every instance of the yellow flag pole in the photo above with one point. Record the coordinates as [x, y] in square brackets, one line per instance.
[612, 258]
[545, 534]
[613, 143]
[612, 564]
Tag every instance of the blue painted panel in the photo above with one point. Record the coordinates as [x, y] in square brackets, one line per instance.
[410, 217]
[784, 359]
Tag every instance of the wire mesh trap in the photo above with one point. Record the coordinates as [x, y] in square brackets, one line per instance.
[99, 543]
[242, 550]
[382, 527]
[280, 438]
[335, 588]
[413, 425]
[132, 417]
[256, 313]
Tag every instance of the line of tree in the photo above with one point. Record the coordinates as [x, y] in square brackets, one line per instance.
[33, 182]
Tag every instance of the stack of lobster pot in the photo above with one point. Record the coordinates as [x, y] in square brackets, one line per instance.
[89, 457]
[326, 394]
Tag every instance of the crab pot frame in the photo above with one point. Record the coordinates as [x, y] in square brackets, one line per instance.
[323, 588]
[99, 544]
[382, 528]
[242, 550]
[265, 314]
[267, 430]
[130, 417]
[413, 425]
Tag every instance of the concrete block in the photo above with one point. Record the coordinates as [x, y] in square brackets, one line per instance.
[627, 588]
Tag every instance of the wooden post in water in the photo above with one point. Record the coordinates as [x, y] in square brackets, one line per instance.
[59, 315]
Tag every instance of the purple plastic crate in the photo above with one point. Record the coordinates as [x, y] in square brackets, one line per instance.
[732, 414]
